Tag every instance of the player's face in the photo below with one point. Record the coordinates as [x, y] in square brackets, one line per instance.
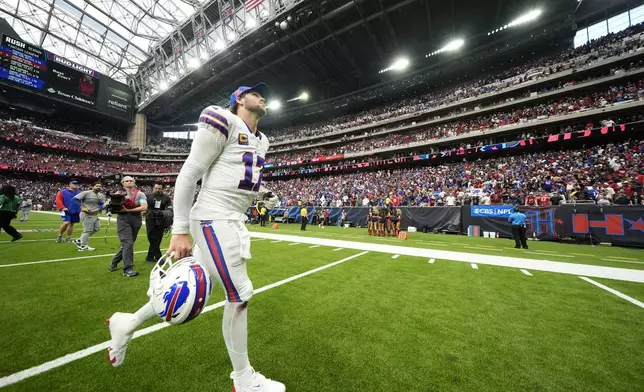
[128, 183]
[97, 188]
[255, 103]
[158, 189]
[73, 186]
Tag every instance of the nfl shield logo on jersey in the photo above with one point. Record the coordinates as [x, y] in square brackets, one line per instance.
[243, 139]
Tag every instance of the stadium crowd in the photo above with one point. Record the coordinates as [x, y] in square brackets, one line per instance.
[609, 174]
[88, 127]
[562, 106]
[611, 45]
[40, 162]
[36, 134]
[573, 174]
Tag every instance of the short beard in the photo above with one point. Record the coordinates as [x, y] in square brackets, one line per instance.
[259, 110]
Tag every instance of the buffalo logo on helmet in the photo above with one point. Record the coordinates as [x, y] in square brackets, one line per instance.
[174, 299]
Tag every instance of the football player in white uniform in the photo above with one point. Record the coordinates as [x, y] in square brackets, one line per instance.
[227, 154]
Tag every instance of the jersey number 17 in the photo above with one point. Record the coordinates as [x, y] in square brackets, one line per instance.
[250, 174]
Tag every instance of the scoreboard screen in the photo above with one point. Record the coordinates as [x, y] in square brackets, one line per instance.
[22, 63]
[71, 81]
[54, 76]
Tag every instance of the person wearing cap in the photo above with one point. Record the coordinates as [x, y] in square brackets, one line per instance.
[128, 224]
[227, 154]
[69, 210]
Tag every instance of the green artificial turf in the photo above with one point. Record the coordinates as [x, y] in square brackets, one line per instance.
[372, 323]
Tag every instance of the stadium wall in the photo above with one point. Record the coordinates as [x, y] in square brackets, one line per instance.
[584, 223]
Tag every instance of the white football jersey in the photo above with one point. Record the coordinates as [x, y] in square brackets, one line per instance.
[228, 157]
[233, 180]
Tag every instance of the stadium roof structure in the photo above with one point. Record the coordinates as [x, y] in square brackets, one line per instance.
[111, 36]
[182, 55]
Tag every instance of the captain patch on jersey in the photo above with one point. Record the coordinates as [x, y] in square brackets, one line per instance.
[243, 139]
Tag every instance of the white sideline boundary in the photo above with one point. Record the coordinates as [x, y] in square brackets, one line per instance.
[103, 218]
[67, 259]
[625, 274]
[64, 360]
[613, 291]
[44, 240]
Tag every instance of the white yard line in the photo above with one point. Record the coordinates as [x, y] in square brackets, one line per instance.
[431, 261]
[49, 239]
[337, 249]
[68, 259]
[474, 266]
[314, 246]
[294, 243]
[613, 291]
[526, 272]
[257, 239]
[64, 360]
[624, 261]
[480, 248]
[576, 269]
[548, 254]
[395, 256]
[276, 242]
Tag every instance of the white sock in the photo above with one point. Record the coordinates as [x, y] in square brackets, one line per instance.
[235, 330]
[144, 314]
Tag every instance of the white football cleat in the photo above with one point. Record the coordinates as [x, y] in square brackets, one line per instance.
[258, 383]
[122, 328]
[85, 248]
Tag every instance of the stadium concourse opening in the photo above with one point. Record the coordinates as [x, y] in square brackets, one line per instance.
[305, 168]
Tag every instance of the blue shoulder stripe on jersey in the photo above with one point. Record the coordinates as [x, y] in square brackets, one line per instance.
[216, 115]
[214, 124]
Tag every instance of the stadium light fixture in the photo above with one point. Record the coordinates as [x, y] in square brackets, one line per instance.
[399, 65]
[250, 23]
[302, 97]
[454, 45]
[449, 47]
[220, 45]
[204, 55]
[194, 63]
[525, 18]
[173, 78]
[274, 105]
[163, 85]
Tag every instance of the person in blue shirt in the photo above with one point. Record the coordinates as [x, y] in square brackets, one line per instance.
[517, 219]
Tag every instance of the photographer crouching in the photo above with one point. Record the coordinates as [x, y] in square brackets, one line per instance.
[158, 220]
[129, 207]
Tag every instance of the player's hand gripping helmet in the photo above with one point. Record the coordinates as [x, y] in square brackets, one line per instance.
[180, 289]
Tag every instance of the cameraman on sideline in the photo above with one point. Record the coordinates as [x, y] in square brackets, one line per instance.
[158, 219]
[128, 225]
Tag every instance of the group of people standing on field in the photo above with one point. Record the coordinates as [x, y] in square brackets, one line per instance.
[384, 221]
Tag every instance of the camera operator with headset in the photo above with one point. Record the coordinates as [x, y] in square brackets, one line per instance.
[158, 220]
[129, 207]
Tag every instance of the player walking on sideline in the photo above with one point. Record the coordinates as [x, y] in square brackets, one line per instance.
[25, 208]
[92, 202]
[70, 211]
[227, 153]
